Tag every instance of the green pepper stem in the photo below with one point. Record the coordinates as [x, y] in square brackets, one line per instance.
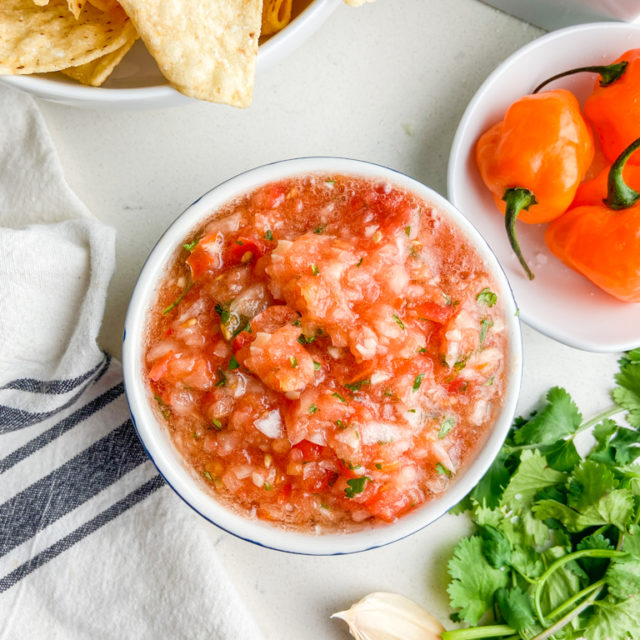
[608, 74]
[517, 199]
[619, 194]
[488, 631]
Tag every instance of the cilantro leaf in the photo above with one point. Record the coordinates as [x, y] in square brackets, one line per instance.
[532, 475]
[560, 417]
[356, 485]
[631, 542]
[562, 455]
[615, 620]
[495, 546]
[589, 482]
[516, 608]
[627, 393]
[623, 577]
[489, 490]
[474, 580]
[562, 584]
[595, 567]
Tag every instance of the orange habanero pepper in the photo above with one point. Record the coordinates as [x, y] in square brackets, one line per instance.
[614, 105]
[601, 238]
[534, 160]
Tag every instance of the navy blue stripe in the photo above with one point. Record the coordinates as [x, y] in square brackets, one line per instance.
[12, 419]
[69, 486]
[54, 387]
[82, 532]
[61, 427]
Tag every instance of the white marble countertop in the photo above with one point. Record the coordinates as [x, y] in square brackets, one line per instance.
[388, 83]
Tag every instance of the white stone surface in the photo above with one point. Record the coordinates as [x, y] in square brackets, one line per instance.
[387, 83]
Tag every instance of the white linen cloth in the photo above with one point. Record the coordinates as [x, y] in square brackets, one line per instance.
[93, 544]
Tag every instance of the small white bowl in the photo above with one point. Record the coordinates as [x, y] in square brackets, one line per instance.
[157, 441]
[137, 83]
[559, 302]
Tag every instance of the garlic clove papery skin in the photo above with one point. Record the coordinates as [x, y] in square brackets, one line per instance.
[389, 616]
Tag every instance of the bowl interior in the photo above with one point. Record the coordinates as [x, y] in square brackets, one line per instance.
[559, 302]
[156, 439]
[137, 81]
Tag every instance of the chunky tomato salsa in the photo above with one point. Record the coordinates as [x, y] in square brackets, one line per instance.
[327, 352]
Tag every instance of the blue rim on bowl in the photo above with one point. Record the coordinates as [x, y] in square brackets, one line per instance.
[154, 435]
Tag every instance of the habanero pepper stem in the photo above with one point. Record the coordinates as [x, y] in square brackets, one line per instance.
[608, 74]
[619, 194]
[517, 199]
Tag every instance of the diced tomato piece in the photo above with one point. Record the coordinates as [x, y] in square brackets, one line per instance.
[389, 503]
[457, 386]
[433, 311]
[310, 450]
[160, 366]
[247, 249]
[271, 196]
[242, 340]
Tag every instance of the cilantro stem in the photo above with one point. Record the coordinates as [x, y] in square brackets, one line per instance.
[578, 596]
[487, 631]
[554, 628]
[611, 411]
[588, 553]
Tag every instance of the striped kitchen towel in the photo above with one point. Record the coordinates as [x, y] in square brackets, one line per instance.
[93, 544]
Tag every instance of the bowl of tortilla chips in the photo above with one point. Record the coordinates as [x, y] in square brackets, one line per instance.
[149, 53]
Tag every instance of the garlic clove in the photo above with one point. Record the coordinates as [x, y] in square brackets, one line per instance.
[389, 616]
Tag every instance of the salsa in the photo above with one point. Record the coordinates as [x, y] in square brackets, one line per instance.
[327, 352]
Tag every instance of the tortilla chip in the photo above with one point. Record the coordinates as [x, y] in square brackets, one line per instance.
[276, 15]
[206, 50]
[94, 73]
[41, 39]
[76, 6]
[104, 5]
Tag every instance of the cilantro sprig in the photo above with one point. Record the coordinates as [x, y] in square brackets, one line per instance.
[556, 551]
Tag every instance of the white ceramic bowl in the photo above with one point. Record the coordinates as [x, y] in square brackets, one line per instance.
[137, 83]
[157, 441]
[559, 302]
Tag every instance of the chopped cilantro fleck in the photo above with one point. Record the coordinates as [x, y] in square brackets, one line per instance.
[340, 424]
[312, 408]
[233, 363]
[422, 350]
[378, 466]
[335, 394]
[302, 339]
[175, 303]
[398, 321]
[207, 475]
[293, 361]
[446, 426]
[356, 485]
[217, 424]
[485, 325]
[418, 381]
[223, 312]
[314, 269]
[388, 393]
[320, 228]
[488, 297]
[268, 235]
[317, 366]
[268, 486]
[355, 386]
[442, 470]
[223, 379]
[359, 262]
[191, 245]
[407, 230]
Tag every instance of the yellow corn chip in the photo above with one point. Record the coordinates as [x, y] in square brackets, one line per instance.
[206, 50]
[94, 73]
[75, 6]
[37, 39]
[104, 5]
[276, 15]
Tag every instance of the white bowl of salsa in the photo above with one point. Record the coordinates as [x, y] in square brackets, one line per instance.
[322, 356]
